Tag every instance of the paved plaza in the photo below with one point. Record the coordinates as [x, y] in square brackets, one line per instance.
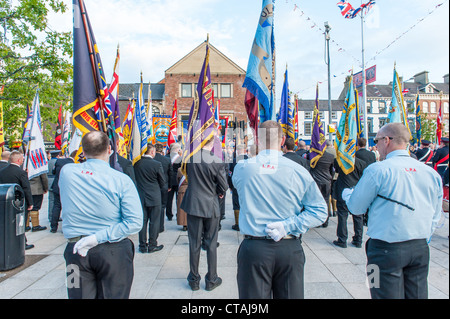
[330, 272]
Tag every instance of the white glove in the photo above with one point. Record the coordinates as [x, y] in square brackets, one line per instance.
[84, 244]
[276, 231]
[346, 193]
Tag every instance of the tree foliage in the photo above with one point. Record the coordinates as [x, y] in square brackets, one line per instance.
[33, 56]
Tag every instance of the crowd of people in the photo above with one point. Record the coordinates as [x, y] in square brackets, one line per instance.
[276, 197]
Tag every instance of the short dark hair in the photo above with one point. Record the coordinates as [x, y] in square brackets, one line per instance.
[95, 143]
[290, 144]
[159, 148]
[149, 148]
[362, 142]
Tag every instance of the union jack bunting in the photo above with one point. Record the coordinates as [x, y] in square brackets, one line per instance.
[349, 12]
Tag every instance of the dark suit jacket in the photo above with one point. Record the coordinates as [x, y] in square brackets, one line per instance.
[3, 164]
[324, 171]
[367, 156]
[13, 174]
[60, 162]
[127, 167]
[206, 180]
[298, 159]
[301, 152]
[149, 181]
[167, 168]
[175, 166]
[350, 180]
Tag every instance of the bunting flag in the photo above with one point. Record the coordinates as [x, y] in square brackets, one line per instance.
[286, 115]
[2, 132]
[59, 130]
[346, 134]
[150, 133]
[67, 129]
[173, 133]
[349, 12]
[439, 123]
[86, 78]
[139, 138]
[418, 120]
[260, 77]
[201, 117]
[397, 111]
[127, 126]
[36, 158]
[318, 139]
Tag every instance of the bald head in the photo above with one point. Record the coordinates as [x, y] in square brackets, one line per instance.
[5, 155]
[96, 145]
[398, 132]
[16, 158]
[270, 136]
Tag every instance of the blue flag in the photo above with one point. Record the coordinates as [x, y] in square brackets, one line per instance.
[346, 134]
[260, 78]
[286, 117]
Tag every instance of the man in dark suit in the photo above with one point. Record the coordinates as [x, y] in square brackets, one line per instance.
[240, 155]
[440, 158]
[348, 181]
[125, 164]
[302, 151]
[424, 154]
[207, 181]
[14, 174]
[168, 175]
[56, 210]
[323, 174]
[363, 154]
[5, 159]
[150, 180]
[294, 156]
[175, 156]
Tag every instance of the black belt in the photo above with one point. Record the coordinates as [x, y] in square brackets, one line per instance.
[268, 237]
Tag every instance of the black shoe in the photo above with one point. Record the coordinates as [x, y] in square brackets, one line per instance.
[38, 228]
[195, 285]
[235, 227]
[184, 228]
[152, 249]
[356, 244]
[334, 214]
[143, 250]
[340, 244]
[169, 218]
[28, 246]
[325, 225]
[53, 230]
[211, 286]
[27, 228]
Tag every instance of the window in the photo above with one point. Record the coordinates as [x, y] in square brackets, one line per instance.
[334, 115]
[382, 107]
[308, 128]
[433, 107]
[410, 107]
[186, 90]
[369, 107]
[308, 115]
[445, 109]
[425, 107]
[216, 90]
[382, 123]
[370, 125]
[225, 90]
[321, 114]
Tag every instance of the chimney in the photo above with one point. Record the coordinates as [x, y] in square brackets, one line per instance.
[421, 78]
[446, 78]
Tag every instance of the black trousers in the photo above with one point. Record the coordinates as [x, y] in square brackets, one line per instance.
[208, 228]
[105, 273]
[56, 211]
[170, 195]
[37, 202]
[269, 269]
[164, 195]
[402, 268]
[152, 216]
[341, 231]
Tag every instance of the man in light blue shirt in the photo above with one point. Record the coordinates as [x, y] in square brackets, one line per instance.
[404, 198]
[279, 201]
[100, 209]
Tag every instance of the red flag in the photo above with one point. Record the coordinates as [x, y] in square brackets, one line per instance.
[440, 124]
[173, 126]
[59, 131]
[252, 108]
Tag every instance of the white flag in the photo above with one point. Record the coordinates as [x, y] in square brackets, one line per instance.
[36, 158]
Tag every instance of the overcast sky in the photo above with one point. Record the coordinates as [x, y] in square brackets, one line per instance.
[155, 34]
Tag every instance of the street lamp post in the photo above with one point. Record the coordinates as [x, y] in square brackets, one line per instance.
[327, 62]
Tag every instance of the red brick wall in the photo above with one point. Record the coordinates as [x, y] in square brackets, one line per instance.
[235, 104]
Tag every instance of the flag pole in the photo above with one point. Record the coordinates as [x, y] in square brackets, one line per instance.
[364, 79]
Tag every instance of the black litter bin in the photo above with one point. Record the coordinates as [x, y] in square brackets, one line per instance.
[12, 226]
